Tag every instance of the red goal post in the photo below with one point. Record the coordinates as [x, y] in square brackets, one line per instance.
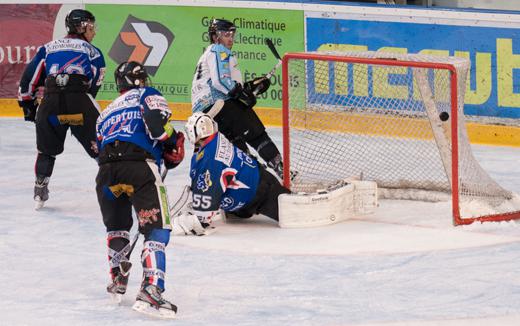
[396, 119]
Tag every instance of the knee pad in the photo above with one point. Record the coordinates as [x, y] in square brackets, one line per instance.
[158, 235]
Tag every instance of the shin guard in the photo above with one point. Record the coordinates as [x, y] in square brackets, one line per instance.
[118, 247]
[44, 165]
[153, 257]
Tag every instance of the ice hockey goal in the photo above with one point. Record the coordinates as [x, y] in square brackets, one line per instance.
[396, 119]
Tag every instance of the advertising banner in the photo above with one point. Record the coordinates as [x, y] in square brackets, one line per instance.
[169, 40]
[23, 28]
[493, 86]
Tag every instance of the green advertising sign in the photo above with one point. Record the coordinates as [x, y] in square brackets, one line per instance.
[169, 40]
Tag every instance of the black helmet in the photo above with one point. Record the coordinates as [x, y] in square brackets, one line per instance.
[130, 75]
[75, 20]
[220, 25]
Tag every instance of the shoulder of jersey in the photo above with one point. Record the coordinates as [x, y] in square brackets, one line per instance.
[219, 48]
[148, 90]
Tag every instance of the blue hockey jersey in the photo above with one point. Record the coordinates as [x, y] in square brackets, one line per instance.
[139, 116]
[68, 55]
[222, 176]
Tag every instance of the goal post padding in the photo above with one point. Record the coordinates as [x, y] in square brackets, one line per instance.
[396, 119]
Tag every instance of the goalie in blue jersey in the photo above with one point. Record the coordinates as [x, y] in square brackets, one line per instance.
[224, 177]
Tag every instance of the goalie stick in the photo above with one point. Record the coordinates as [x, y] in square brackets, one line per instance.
[181, 202]
[125, 266]
[174, 209]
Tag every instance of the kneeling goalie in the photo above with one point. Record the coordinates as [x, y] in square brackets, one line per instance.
[224, 177]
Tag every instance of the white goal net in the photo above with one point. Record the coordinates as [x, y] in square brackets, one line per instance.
[396, 119]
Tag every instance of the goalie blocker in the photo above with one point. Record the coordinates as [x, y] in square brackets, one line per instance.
[346, 200]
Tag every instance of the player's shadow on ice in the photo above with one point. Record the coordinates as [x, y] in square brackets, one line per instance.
[259, 221]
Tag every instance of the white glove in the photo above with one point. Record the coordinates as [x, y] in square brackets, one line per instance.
[187, 223]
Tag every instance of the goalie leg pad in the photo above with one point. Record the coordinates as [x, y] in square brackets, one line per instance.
[329, 206]
[365, 197]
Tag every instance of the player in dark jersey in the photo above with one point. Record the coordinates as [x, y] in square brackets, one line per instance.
[71, 69]
[134, 137]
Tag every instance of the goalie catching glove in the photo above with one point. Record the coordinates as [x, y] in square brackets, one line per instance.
[187, 223]
[174, 156]
[29, 109]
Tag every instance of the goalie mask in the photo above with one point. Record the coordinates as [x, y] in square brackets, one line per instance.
[130, 75]
[77, 20]
[200, 126]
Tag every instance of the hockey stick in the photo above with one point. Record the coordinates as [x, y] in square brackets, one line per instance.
[181, 202]
[124, 266]
[276, 55]
[270, 44]
[164, 170]
[215, 109]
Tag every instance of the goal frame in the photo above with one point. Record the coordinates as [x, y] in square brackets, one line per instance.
[457, 218]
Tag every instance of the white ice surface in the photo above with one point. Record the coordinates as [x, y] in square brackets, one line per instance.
[406, 265]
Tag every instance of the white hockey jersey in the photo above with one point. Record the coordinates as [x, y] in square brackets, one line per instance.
[216, 74]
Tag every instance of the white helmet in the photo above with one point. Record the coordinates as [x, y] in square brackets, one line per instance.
[200, 125]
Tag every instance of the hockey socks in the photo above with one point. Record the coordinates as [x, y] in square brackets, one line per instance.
[118, 250]
[149, 299]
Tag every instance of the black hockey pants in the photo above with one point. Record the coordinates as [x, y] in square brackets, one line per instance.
[241, 125]
[266, 199]
[133, 181]
[64, 107]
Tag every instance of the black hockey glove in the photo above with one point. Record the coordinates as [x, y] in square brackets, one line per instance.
[243, 95]
[258, 86]
[29, 109]
[235, 92]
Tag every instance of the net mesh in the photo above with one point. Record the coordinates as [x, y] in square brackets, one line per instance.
[383, 123]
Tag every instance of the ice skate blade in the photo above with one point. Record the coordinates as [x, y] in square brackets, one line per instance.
[147, 309]
[38, 203]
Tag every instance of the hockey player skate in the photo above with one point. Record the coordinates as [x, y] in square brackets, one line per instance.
[117, 288]
[41, 191]
[150, 301]
[276, 165]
